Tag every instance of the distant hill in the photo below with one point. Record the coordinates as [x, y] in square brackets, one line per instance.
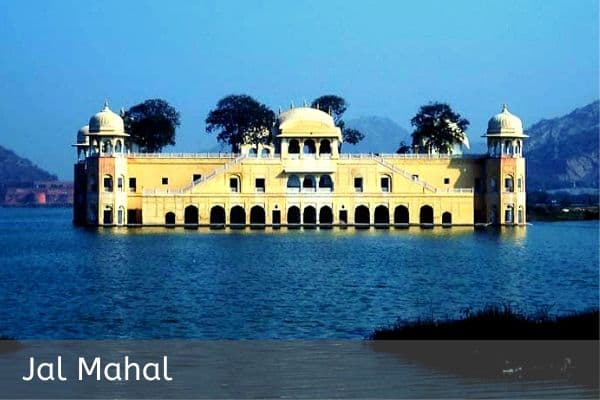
[15, 169]
[563, 152]
[382, 135]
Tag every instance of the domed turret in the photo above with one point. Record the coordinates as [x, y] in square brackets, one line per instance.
[505, 134]
[83, 142]
[505, 124]
[107, 122]
[505, 170]
[82, 135]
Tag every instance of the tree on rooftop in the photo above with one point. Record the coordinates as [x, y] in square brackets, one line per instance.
[403, 148]
[240, 119]
[337, 106]
[152, 124]
[438, 128]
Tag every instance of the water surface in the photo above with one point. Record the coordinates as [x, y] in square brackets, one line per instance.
[60, 281]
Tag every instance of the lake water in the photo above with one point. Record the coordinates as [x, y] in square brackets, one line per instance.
[59, 281]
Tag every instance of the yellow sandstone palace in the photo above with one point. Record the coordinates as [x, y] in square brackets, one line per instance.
[303, 180]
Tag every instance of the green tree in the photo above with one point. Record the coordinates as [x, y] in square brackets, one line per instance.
[337, 106]
[403, 148]
[438, 128]
[240, 119]
[152, 124]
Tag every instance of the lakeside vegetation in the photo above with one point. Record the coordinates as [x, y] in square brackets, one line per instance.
[497, 323]
[500, 343]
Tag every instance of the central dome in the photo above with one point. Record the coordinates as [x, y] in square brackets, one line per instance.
[106, 121]
[305, 116]
[505, 123]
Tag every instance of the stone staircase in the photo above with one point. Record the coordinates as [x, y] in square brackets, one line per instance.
[213, 174]
[405, 173]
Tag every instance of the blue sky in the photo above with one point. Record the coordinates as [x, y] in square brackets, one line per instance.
[61, 59]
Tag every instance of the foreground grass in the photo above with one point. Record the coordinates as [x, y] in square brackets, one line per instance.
[497, 323]
[499, 343]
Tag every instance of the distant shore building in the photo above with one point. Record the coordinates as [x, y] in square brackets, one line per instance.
[37, 194]
[301, 180]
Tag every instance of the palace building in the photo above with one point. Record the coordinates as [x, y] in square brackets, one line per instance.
[302, 180]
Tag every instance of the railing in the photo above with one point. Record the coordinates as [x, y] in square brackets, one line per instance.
[462, 190]
[262, 156]
[347, 156]
[184, 155]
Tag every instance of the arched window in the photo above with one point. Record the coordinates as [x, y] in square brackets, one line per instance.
[107, 215]
[294, 147]
[237, 216]
[257, 216]
[446, 218]
[509, 215]
[120, 183]
[309, 182]
[325, 216]
[325, 147]
[358, 184]
[426, 215]
[293, 215]
[401, 215]
[386, 183]
[310, 215]
[107, 147]
[120, 216]
[325, 182]
[362, 215]
[520, 184]
[309, 147]
[217, 215]
[382, 215]
[265, 153]
[293, 182]
[234, 184]
[521, 215]
[118, 147]
[190, 216]
[107, 183]
[509, 184]
[252, 152]
[170, 218]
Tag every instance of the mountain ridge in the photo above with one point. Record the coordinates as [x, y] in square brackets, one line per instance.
[562, 152]
[382, 135]
[17, 169]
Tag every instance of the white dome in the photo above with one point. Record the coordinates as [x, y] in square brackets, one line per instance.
[505, 123]
[106, 121]
[82, 135]
[305, 115]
